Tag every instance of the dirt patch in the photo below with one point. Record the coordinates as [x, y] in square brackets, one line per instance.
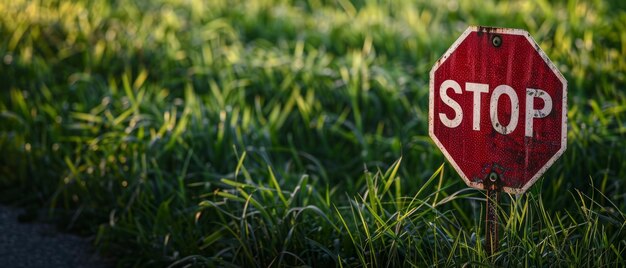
[41, 245]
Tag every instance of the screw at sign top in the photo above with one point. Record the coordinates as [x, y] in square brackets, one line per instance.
[496, 41]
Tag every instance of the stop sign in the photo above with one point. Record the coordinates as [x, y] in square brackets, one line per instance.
[497, 104]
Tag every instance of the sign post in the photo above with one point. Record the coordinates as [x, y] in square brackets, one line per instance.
[491, 213]
[498, 112]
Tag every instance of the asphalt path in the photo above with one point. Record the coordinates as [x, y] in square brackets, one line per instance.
[42, 245]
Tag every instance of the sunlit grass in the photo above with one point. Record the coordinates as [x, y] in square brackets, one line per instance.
[260, 133]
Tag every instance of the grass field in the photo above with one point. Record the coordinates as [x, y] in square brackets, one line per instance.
[288, 133]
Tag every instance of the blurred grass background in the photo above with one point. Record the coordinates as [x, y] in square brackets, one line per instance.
[285, 133]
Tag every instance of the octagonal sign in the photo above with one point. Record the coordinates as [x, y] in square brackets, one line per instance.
[498, 104]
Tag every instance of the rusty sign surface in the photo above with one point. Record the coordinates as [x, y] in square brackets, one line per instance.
[498, 104]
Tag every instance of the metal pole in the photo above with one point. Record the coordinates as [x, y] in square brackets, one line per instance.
[493, 193]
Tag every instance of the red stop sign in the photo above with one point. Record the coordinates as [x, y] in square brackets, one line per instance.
[497, 104]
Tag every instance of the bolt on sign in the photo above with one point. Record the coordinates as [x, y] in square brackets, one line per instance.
[498, 105]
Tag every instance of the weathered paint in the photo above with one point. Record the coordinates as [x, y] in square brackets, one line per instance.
[505, 135]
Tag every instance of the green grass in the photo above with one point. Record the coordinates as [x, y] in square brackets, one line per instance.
[287, 133]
